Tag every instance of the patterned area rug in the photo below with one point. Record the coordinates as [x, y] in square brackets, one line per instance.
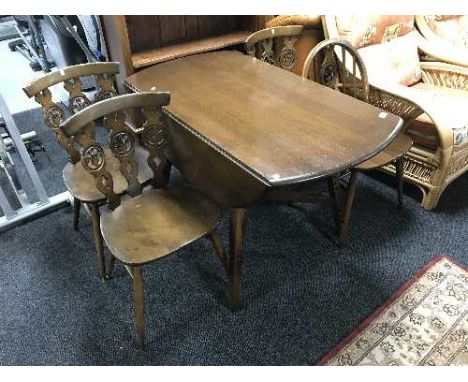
[424, 323]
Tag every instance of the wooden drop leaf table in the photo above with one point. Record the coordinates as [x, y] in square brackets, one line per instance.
[241, 128]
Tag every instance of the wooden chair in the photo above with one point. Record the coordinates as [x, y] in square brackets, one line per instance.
[310, 36]
[79, 183]
[275, 45]
[336, 64]
[142, 226]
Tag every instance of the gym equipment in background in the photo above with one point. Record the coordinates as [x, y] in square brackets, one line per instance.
[32, 143]
[59, 41]
[31, 43]
[28, 209]
[7, 28]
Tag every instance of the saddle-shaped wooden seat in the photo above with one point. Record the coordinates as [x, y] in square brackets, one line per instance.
[154, 224]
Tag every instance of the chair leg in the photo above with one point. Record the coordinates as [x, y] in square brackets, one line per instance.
[98, 239]
[167, 172]
[333, 190]
[215, 240]
[399, 176]
[348, 205]
[110, 267]
[76, 213]
[139, 299]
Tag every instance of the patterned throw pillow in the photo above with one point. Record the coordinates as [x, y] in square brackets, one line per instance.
[387, 44]
[362, 31]
[395, 61]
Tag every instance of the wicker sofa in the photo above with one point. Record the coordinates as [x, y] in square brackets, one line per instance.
[389, 46]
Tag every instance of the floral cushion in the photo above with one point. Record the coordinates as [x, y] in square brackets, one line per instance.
[362, 31]
[395, 61]
[387, 44]
[452, 28]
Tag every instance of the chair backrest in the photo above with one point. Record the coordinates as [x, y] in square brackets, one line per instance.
[54, 112]
[452, 29]
[336, 64]
[275, 45]
[122, 140]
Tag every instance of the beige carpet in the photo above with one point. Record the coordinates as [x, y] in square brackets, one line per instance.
[424, 323]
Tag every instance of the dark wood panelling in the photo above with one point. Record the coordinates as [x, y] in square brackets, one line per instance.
[204, 26]
[172, 29]
[144, 32]
[191, 27]
[140, 40]
[253, 23]
[214, 25]
[147, 32]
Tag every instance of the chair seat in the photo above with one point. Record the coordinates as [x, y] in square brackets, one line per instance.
[399, 146]
[154, 224]
[81, 183]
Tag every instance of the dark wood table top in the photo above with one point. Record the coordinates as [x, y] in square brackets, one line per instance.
[273, 124]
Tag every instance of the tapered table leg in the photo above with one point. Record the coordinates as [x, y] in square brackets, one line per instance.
[333, 190]
[215, 240]
[348, 205]
[110, 266]
[235, 256]
[399, 175]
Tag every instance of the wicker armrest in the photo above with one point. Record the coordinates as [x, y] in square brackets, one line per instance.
[401, 101]
[441, 74]
[441, 50]
[395, 103]
[308, 21]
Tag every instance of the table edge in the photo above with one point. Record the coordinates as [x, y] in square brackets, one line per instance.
[284, 181]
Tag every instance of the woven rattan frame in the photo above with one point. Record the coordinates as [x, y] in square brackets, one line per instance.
[431, 171]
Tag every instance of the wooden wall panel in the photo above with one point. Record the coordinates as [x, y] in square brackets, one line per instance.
[137, 41]
[172, 29]
[254, 23]
[144, 32]
[205, 26]
[191, 27]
